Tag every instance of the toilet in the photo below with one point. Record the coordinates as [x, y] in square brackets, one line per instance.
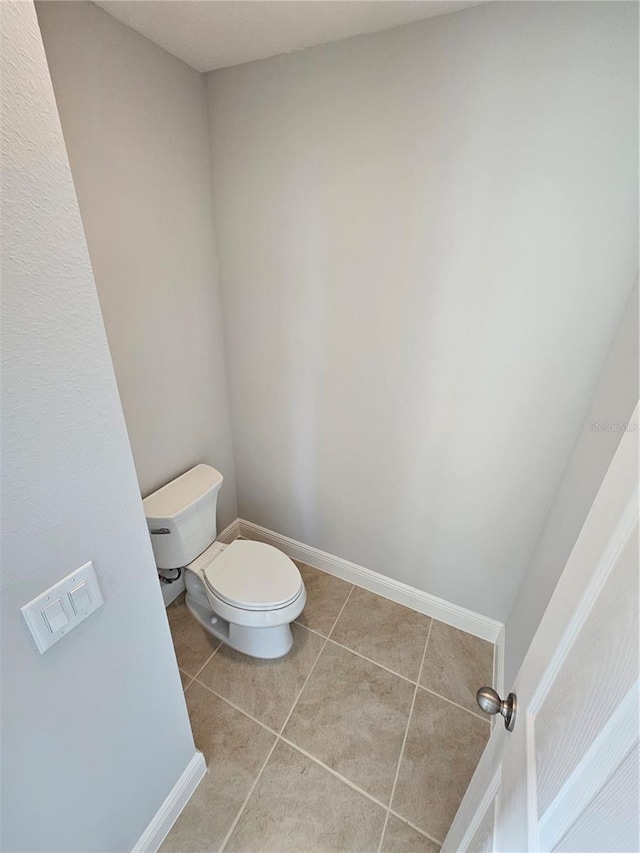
[246, 593]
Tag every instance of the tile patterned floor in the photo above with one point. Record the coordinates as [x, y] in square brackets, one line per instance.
[363, 738]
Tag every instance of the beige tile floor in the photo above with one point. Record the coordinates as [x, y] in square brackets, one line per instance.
[363, 738]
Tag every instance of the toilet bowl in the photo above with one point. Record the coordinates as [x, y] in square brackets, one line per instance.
[247, 593]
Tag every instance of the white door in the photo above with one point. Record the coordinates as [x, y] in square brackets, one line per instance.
[566, 778]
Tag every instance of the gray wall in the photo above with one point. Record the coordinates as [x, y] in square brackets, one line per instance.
[135, 125]
[612, 404]
[426, 240]
[95, 732]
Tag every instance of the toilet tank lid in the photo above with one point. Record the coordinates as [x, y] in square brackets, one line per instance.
[180, 494]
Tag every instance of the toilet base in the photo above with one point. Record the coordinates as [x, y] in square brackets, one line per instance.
[266, 643]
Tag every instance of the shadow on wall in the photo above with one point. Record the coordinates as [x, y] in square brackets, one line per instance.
[307, 344]
[428, 257]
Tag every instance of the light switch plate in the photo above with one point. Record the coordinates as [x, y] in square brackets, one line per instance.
[79, 595]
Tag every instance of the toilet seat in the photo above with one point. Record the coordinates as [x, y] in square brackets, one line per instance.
[253, 576]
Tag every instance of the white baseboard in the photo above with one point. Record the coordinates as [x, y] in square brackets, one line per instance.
[230, 533]
[169, 811]
[498, 663]
[416, 599]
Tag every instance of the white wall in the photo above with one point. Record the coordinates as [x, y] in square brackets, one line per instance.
[95, 732]
[426, 240]
[135, 124]
[612, 404]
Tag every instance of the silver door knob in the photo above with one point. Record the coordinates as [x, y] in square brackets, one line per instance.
[491, 703]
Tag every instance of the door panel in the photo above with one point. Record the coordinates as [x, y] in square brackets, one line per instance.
[610, 822]
[608, 751]
[597, 673]
[482, 840]
[567, 774]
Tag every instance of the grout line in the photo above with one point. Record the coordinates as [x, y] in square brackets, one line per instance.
[207, 660]
[359, 654]
[275, 743]
[415, 682]
[190, 677]
[375, 662]
[246, 800]
[404, 740]
[313, 630]
[424, 653]
[304, 684]
[278, 736]
[451, 702]
[311, 757]
[333, 772]
[236, 707]
[324, 645]
[191, 617]
[417, 828]
[335, 621]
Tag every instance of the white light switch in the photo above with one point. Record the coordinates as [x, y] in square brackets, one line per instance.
[55, 616]
[80, 597]
[56, 611]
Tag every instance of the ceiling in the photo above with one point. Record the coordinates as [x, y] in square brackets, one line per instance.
[209, 34]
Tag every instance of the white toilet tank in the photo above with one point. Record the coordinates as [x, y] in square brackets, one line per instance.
[181, 516]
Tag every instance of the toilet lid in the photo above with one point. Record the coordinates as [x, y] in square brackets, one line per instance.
[253, 576]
